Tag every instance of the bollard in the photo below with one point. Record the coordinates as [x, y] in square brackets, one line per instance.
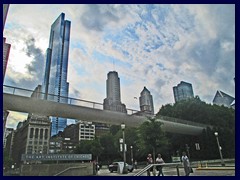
[206, 165]
[177, 171]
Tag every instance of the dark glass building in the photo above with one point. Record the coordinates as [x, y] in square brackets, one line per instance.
[183, 91]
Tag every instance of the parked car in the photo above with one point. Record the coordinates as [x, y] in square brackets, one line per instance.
[114, 166]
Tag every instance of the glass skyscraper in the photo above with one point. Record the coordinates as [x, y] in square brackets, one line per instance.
[55, 85]
[183, 91]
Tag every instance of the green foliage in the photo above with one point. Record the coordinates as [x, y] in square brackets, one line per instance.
[7, 161]
[221, 118]
[90, 147]
[151, 136]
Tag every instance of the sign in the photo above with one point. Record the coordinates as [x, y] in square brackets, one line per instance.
[176, 159]
[121, 147]
[197, 146]
[56, 157]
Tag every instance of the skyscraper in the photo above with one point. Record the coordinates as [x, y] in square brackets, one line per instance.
[113, 100]
[146, 101]
[5, 11]
[183, 91]
[6, 52]
[6, 46]
[55, 85]
[224, 99]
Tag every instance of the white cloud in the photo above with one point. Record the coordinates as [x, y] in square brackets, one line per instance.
[156, 46]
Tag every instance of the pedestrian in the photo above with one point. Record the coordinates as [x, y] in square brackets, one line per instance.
[149, 161]
[186, 164]
[160, 160]
[135, 164]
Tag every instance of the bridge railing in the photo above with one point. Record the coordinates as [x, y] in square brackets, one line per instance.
[175, 165]
[52, 97]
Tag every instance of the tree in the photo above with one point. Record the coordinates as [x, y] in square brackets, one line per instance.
[221, 118]
[7, 161]
[96, 148]
[151, 135]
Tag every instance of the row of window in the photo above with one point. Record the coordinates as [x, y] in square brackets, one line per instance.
[36, 134]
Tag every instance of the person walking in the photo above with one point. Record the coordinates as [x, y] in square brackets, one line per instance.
[160, 160]
[135, 164]
[186, 164]
[149, 161]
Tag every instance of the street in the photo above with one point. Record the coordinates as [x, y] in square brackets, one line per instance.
[173, 172]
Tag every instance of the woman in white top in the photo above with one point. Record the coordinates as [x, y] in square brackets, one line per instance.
[186, 163]
[159, 160]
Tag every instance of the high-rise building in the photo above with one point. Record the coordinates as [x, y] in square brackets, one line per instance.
[6, 46]
[6, 52]
[55, 85]
[5, 11]
[224, 99]
[183, 91]
[113, 100]
[146, 101]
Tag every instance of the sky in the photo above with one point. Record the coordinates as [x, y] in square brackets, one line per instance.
[152, 45]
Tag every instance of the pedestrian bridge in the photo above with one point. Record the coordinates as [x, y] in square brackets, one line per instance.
[20, 100]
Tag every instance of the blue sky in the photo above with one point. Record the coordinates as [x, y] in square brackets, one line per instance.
[156, 46]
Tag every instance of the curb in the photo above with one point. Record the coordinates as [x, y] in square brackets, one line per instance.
[216, 168]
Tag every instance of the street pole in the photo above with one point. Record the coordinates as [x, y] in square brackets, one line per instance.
[131, 154]
[187, 148]
[219, 148]
[124, 152]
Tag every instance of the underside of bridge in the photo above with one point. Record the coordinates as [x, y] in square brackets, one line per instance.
[49, 108]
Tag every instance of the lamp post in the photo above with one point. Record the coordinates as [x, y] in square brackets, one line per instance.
[124, 152]
[131, 154]
[219, 148]
[187, 148]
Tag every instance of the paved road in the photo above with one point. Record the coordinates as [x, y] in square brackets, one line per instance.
[173, 172]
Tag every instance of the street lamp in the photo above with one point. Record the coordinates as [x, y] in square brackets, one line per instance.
[131, 154]
[124, 153]
[219, 148]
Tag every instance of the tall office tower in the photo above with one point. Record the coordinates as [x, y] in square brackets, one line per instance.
[183, 91]
[55, 78]
[6, 46]
[146, 101]
[6, 52]
[5, 11]
[224, 99]
[113, 100]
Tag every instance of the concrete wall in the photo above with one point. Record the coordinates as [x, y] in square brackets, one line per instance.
[68, 169]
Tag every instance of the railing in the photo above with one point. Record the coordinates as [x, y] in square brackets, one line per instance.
[80, 102]
[165, 164]
[70, 168]
[56, 98]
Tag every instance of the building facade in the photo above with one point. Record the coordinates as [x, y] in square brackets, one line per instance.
[113, 100]
[82, 130]
[5, 12]
[31, 137]
[5, 135]
[224, 99]
[146, 101]
[6, 52]
[183, 91]
[55, 85]
[6, 46]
